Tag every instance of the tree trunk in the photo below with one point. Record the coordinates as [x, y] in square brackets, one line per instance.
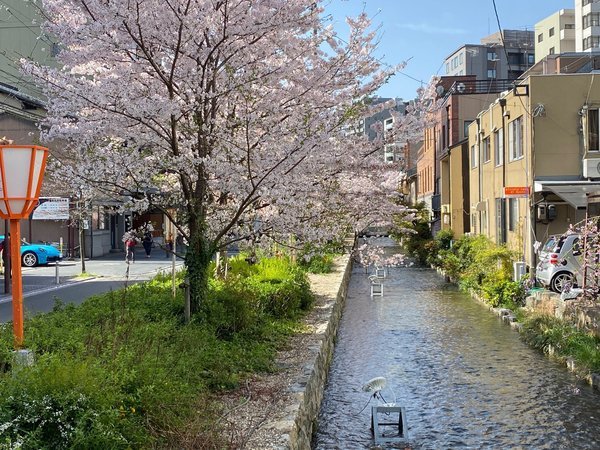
[197, 261]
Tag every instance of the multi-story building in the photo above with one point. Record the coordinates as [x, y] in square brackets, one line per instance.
[442, 171]
[22, 37]
[502, 55]
[535, 155]
[587, 26]
[555, 34]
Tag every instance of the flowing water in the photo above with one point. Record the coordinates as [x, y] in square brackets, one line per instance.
[465, 379]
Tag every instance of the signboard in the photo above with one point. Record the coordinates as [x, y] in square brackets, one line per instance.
[516, 192]
[52, 208]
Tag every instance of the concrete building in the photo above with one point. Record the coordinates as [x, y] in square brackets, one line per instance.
[587, 26]
[21, 36]
[555, 34]
[534, 156]
[502, 55]
[441, 167]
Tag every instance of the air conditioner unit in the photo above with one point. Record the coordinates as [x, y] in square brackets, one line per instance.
[591, 168]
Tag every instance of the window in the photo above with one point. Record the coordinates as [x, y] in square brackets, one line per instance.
[593, 141]
[540, 37]
[500, 221]
[551, 32]
[99, 218]
[486, 150]
[591, 42]
[492, 56]
[515, 139]
[499, 147]
[530, 58]
[513, 213]
[473, 156]
[587, 2]
[447, 67]
[491, 73]
[551, 51]
[466, 124]
[516, 59]
[569, 26]
[461, 58]
[591, 20]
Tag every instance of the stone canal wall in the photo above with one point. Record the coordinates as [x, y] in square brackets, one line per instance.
[279, 410]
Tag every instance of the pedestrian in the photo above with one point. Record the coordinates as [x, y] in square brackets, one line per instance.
[130, 249]
[147, 242]
[169, 246]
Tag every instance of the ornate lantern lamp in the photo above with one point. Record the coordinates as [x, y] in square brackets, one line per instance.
[21, 172]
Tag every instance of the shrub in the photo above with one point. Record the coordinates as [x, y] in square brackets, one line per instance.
[123, 371]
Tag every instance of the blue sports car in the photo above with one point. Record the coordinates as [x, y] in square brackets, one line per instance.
[36, 254]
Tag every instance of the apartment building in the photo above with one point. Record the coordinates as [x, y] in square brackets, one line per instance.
[555, 34]
[587, 26]
[535, 156]
[441, 173]
[503, 55]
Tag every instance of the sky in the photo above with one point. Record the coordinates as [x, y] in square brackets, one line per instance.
[425, 32]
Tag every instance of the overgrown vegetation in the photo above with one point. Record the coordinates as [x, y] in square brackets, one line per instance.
[123, 370]
[478, 264]
[415, 235]
[552, 335]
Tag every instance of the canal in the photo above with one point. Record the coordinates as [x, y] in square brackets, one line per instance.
[465, 379]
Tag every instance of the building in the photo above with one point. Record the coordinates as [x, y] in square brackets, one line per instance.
[555, 34]
[503, 55]
[443, 182]
[535, 155]
[587, 26]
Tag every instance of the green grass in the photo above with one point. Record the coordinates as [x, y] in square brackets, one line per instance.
[545, 332]
[122, 370]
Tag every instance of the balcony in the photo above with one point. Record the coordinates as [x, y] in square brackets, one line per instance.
[471, 87]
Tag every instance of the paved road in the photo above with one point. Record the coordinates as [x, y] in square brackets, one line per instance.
[107, 273]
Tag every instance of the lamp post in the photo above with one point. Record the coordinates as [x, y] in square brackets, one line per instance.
[21, 173]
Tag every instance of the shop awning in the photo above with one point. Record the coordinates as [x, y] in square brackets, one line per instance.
[573, 192]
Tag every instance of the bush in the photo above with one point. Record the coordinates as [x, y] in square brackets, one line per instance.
[545, 332]
[122, 370]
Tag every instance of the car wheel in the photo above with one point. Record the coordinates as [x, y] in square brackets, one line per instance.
[29, 259]
[560, 281]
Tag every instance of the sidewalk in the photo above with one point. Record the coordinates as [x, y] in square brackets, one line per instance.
[111, 267]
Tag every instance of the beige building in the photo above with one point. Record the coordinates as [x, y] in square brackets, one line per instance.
[534, 158]
[555, 34]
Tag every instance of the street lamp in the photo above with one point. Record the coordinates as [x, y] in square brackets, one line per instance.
[21, 173]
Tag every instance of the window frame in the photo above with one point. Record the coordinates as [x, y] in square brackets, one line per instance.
[499, 148]
[515, 139]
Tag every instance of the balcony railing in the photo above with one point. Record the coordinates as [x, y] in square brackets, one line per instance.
[481, 86]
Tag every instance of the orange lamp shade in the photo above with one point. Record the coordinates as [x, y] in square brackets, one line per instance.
[21, 172]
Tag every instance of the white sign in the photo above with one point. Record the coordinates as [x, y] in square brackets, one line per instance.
[52, 208]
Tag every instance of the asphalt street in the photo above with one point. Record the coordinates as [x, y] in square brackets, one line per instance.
[40, 287]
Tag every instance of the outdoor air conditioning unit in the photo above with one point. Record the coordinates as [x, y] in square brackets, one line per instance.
[591, 168]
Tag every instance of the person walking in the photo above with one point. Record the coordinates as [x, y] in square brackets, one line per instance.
[147, 243]
[130, 250]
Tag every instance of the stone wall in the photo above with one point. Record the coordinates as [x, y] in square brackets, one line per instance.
[310, 399]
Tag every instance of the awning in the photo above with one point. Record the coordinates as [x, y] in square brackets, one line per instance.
[573, 192]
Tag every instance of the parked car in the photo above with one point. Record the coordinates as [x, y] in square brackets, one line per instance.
[561, 266]
[35, 254]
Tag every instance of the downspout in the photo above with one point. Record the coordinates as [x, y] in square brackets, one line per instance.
[502, 102]
[479, 174]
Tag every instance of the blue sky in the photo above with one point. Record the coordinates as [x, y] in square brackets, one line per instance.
[425, 32]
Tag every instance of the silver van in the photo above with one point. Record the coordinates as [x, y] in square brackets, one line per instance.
[561, 266]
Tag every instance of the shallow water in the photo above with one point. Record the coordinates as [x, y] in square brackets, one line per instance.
[465, 379]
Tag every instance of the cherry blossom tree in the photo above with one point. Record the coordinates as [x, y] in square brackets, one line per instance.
[233, 117]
